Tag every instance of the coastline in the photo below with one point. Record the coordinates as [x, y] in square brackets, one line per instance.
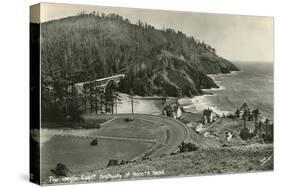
[221, 102]
[199, 103]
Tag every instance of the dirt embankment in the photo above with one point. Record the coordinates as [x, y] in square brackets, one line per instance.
[241, 159]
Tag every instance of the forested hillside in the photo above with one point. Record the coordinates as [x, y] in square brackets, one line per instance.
[156, 62]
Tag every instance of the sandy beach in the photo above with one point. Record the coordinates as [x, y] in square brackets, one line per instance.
[142, 105]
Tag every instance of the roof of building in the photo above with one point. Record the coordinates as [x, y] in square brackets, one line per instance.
[207, 112]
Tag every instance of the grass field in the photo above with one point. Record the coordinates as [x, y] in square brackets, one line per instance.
[79, 156]
[139, 128]
[116, 140]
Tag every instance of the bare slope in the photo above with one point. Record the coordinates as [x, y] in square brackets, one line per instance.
[208, 161]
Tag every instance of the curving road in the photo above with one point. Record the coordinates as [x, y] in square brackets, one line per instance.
[178, 131]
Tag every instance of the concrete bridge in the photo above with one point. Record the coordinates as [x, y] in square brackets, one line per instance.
[103, 83]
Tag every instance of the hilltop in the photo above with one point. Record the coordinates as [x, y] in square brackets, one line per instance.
[156, 62]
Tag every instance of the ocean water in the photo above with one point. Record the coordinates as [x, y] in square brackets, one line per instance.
[253, 85]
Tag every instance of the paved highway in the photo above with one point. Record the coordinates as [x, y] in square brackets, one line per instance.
[178, 131]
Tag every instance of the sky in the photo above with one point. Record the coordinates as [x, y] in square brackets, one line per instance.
[235, 37]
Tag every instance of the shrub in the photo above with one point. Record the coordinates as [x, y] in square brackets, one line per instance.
[94, 142]
[95, 125]
[188, 147]
[226, 145]
[112, 162]
[128, 119]
[267, 138]
[75, 114]
[245, 134]
[230, 116]
[61, 170]
[144, 158]
[55, 112]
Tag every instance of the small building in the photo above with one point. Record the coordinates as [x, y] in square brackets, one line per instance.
[204, 119]
[178, 111]
[208, 116]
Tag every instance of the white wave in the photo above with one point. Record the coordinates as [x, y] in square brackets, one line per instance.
[185, 101]
[221, 87]
[201, 103]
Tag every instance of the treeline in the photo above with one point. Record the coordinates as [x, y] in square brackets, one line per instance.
[263, 129]
[89, 46]
[61, 102]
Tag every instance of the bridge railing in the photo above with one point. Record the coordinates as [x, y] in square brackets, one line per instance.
[101, 82]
